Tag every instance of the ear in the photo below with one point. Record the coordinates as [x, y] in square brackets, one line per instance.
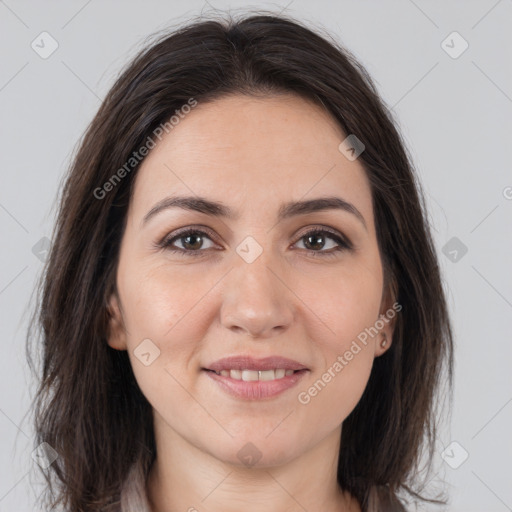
[116, 336]
[387, 318]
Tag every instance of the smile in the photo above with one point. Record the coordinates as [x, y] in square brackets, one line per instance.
[255, 384]
[254, 375]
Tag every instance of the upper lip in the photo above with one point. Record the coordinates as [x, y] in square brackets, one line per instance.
[250, 363]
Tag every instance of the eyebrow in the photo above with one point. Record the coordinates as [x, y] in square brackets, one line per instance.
[286, 211]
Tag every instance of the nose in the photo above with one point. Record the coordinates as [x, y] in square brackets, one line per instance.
[256, 300]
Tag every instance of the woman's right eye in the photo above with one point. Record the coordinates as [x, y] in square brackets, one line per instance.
[192, 241]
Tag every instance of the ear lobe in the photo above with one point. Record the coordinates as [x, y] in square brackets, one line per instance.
[116, 335]
[388, 312]
[384, 340]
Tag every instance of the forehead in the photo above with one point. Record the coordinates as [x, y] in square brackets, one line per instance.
[252, 152]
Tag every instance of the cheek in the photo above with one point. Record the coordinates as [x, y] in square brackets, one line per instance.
[347, 357]
[160, 306]
[160, 302]
[336, 391]
[347, 300]
[349, 307]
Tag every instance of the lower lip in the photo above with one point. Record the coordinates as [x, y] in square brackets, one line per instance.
[256, 390]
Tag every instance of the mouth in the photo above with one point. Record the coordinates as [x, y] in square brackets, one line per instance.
[256, 375]
[247, 378]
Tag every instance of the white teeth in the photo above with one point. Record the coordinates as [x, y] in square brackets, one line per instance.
[254, 375]
[249, 375]
[235, 374]
[267, 375]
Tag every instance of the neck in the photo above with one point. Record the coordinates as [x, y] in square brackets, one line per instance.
[184, 477]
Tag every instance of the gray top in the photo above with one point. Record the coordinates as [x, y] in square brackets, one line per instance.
[133, 493]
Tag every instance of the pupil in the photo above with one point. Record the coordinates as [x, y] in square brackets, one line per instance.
[317, 240]
[192, 245]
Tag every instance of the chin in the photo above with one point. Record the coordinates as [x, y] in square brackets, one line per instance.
[256, 452]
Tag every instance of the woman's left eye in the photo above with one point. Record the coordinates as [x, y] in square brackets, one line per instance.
[318, 236]
[192, 241]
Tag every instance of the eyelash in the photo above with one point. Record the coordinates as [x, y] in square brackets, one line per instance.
[343, 243]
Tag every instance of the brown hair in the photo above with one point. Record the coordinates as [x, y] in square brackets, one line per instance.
[88, 406]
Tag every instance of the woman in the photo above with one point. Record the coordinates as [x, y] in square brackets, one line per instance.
[242, 307]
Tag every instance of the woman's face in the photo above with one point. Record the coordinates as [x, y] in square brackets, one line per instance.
[253, 284]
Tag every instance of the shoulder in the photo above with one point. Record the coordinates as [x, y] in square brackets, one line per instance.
[382, 499]
[133, 492]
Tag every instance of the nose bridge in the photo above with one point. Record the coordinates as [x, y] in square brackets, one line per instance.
[255, 300]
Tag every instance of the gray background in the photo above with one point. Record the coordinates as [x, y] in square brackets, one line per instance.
[454, 113]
